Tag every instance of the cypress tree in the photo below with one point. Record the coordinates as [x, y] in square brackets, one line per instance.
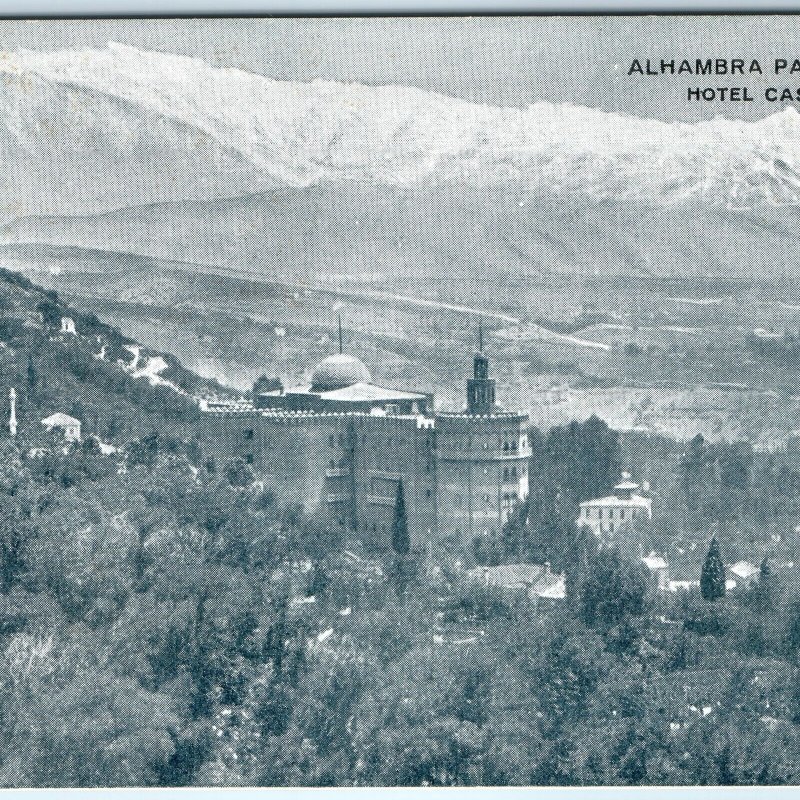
[401, 543]
[33, 376]
[712, 579]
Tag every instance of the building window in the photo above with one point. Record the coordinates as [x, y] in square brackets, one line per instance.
[428, 493]
[599, 513]
[332, 464]
[248, 434]
[622, 513]
[249, 458]
[611, 513]
[332, 441]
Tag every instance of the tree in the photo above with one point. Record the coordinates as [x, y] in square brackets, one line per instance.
[633, 350]
[735, 465]
[33, 376]
[712, 579]
[401, 543]
[613, 589]
[239, 474]
[695, 473]
[266, 384]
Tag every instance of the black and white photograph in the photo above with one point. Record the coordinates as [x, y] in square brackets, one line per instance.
[400, 401]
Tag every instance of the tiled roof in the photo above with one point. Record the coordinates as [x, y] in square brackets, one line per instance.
[654, 562]
[60, 420]
[612, 500]
[536, 578]
[743, 569]
[360, 392]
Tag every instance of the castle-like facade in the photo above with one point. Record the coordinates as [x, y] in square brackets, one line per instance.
[341, 446]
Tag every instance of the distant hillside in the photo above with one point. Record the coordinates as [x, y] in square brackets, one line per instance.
[115, 386]
[450, 239]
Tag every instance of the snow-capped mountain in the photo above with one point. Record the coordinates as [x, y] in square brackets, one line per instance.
[88, 131]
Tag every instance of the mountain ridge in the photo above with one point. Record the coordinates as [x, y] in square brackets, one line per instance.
[256, 132]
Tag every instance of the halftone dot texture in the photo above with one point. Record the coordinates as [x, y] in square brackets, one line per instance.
[515, 499]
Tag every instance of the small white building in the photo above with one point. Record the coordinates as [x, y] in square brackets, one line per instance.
[659, 569]
[606, 515]
[742, 574]
[68, 325]
[536, 580]
[69, 427]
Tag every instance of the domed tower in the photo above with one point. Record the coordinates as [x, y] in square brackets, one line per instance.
[339, 371]
[482, 462]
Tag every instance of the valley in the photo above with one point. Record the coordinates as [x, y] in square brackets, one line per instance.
[664, 356]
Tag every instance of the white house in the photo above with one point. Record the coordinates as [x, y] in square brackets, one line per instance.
[68, 325]
[69, 427]
[743, 573]
[659, 569]
[606, 515]
[537, 580]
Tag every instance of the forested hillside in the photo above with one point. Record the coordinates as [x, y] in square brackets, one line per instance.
[114, 386]
[165, 622]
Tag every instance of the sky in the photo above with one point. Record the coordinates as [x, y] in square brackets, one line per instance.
[506, 61]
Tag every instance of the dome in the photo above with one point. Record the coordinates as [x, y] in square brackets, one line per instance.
[338, 371]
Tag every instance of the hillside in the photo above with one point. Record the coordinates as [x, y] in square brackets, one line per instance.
[118, 388]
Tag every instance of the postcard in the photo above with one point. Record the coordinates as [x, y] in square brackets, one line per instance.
[400, 401]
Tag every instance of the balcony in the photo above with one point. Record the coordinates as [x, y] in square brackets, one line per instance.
[379, 500]
[340, 497]
[478, 454]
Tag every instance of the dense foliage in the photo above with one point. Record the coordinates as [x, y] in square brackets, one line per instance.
[163, 623]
